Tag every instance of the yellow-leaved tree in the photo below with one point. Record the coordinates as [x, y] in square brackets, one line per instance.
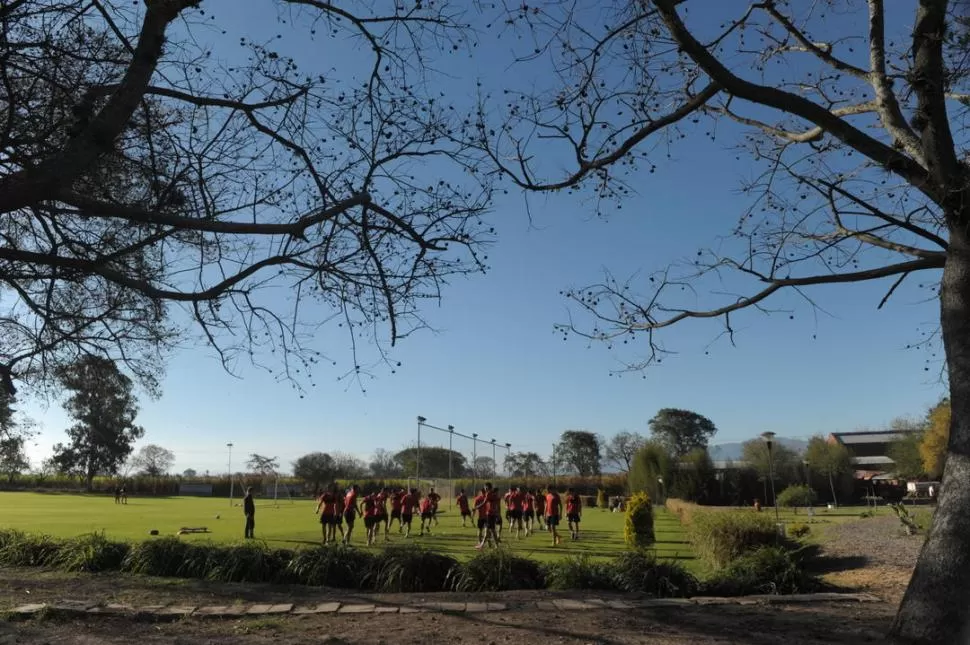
[933, 447]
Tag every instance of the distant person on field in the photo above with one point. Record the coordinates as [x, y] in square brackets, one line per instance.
[408, 503]
[479, 505]
[541, 509]
[427, 514]
[493, 513]
[463, 509]
[338, 512]
[124, 496]
[117, 494]
[381, 499]
[249, 510]
[434, 498]
[370, 517]
[574, 511]
[528, 511]
[553, 513]
[327, 508]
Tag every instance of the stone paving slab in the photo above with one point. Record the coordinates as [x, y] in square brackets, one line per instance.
[664, 602]
[73, 606]
[221, 611]
[175, 610]
[112, 609]
[405, 609]
[28, 610]
[356, 609]
[619, 604]
[386, 609]
[149, 609]
[476, 607]
[324, 608]
[570, 604]
[497, 606]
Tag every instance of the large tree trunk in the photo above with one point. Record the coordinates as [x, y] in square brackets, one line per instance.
[936, 607]
[835, 501]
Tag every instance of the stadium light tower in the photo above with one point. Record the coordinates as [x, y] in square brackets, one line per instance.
[229, 445]
[417, 466]
[494, 463]
[474, 460]
[769, 438]
[451, 436]
[508, 453]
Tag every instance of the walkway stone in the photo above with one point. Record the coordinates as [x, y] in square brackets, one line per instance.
[265, 610]
[73, 606]
[570, 604]
[112, 608]
[324, 608]
[221, 611]
[476, 607]
[28, 610]
[175, 610]
[386, 609]
[356, 609]
[497, 606]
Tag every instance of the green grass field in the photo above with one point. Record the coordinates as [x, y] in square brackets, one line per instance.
[293, 525]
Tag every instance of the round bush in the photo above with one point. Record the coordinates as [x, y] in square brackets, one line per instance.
[638, 526]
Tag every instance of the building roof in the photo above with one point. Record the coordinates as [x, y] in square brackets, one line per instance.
[729, 464]
[880, 436]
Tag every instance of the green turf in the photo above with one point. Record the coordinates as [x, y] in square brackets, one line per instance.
[294, 524]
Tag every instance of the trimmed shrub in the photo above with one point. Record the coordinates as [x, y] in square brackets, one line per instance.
[338, 566]
[799, 530]
[580, 572]
[683, 509]
[765, 570]
[795, 496]
[720, 537]
[497, 570]
[409, 568]
[91, 553]
[641, 572]
[19, 549]
[601, 499]
[638, 524]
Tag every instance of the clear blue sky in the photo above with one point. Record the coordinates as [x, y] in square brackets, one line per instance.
[495, 367]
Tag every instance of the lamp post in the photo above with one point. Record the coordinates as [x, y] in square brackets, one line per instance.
[474, 461]
[769, 438]
[451, 436]
[229, 468]
[494, 463]
[508, 453]
[660, 480]
[417, 462]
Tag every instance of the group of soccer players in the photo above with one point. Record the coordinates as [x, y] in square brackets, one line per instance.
[336, 508]
[526, 511]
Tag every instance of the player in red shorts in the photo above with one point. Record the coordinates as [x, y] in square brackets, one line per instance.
[541, 509]
[370, 514]
[397, 500]
[514, 501]
[408, 503]
[435, 498]
[528, 511]
[493, 515]
[462, 501]
[479, 505]
[574, 510]
[553, 513]
[351, 511]
[326, 508]
[427, 514]
[381, 499]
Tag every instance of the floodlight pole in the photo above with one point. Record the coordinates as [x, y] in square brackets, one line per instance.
[494, 463]
[508, 454]
[451, 436]
[229, 445]
[417, 465]
[474, 461]
[769, 440]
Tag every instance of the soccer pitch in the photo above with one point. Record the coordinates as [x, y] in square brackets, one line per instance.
[294, 525]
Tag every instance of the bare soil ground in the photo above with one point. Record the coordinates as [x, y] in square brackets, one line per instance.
[868, 555]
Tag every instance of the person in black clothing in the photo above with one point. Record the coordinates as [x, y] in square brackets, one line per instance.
[249, 508]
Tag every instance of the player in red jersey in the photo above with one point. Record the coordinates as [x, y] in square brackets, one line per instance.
[370, 513]
[427, 513]
[514, 501]
[553, 513]
[479, 505]
[381, 499]
[508, 508]
[493, 513]
[326, 509]
[351, 511]
[434, 498]
[397, 500]
[462, 501]
[541, 510]
[574, 510]
[528, 511]
[408, 504]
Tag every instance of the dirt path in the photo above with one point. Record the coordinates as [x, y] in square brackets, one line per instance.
[522, 623]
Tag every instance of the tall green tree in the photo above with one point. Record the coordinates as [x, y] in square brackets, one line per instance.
[936, 438]
[828, 458]
[104, 407]
[262, 464]
[849, 119]
[906, 456]
[682, 430]
[621, 448]
[526, 464]
[316, 469]
[382, 464]
[784, 462]
[581, 451]
[154, 461]
[694, 477]
[14, 433]
[434, 461]
[652, 470]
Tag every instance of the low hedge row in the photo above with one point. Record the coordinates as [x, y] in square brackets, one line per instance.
[405, 568]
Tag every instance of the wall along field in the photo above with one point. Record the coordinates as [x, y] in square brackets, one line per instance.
[294, 525]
